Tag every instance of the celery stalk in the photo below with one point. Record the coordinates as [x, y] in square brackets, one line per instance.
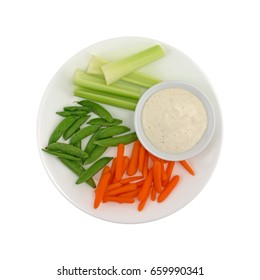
[105, 98]
[94, 65]
[141, 79]
[113, 71]
[80, 80]
[101, 80]
[136, 77]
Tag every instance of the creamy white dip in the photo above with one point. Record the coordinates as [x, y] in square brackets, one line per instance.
[174, 120]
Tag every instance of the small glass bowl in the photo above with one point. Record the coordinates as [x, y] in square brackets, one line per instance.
[206, 137]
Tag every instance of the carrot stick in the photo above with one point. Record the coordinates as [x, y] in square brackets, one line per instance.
[105, 170]
[169, 170]
[101, 188]
[146, 186]
[130, 179]
[133, 163]
[140, 183]
[169, 188]
[185, 164]
[119, 199]
[164, 175]
[157, 175]
[153, 193]
[143, 202]
[130, 194]
[113, 186]
[141, 158]
[123, 189]
[126, 160]
[146, 163]
[113, 169]
[119, 162]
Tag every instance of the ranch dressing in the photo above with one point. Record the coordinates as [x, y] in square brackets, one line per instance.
[174, 120]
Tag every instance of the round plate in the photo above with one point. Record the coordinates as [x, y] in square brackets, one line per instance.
[174, 66]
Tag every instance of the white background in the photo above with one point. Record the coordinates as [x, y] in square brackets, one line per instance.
[41, 230]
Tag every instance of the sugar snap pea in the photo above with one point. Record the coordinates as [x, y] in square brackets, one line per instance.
[102, 122]
[71, 113]
[75, 126]
[90, 146]
[62, 155]
[76, 108]
[83, 133]
[93, 169]
[97, 109]
[78, 145]
[95, 154]
[61, 128]
[111, 131]
[115, 141]
[67, 149]
[76, 167]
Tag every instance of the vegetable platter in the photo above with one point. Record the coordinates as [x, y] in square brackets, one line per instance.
[66, 92]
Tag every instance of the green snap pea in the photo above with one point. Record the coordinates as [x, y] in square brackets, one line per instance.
[75, 126]
[90, 145]
[61, 128]
[93, 169]
[67, 149]
[95, 154]
[115, 141]
[112, 131]
[97, 109]
[61, 155]
[76, 108]
[83, 133]
[100, 121]
[76, 167]
[78, 145]
[71, 113]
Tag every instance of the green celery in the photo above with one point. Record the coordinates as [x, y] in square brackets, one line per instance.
[105, 98]
[115, 70]
[136, 77]
[79, 79]
[101, 80]
[94, 65]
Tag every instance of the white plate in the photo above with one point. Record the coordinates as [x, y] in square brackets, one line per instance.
[174, 66]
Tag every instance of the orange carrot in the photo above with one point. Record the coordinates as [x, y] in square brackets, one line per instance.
[157, 175]
[113, 186]
[146, 164]
[169, 170]
[133, 163]
[140, 183]
[169, 188]
[123, 189]
[130, 194]
[113, 169]
[185, 164]
[164, 175]
[141, 158]
[130, 179]
[153, 193]
[119, 162]
[118, 199]
[105, 170]
[146, 186]
[126, 160]
[101, 188]
[143, 202]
